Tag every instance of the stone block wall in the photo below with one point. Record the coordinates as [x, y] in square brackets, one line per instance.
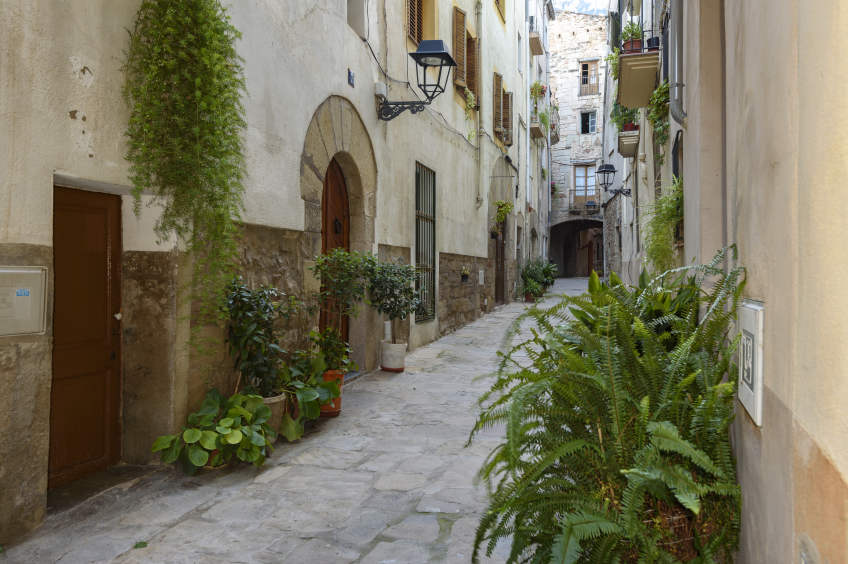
[612, 248]
[460, 302]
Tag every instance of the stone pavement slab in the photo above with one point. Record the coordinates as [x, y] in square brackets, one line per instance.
[390, 481]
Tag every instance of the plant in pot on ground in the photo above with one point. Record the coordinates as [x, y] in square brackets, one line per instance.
[303, 390]
[343, 276]
[220, 429]
[617, 418]
[391, 292]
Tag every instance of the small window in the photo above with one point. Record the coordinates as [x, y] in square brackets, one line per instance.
[425, 242]
[584, 183]
[588, 122]
[588, 78]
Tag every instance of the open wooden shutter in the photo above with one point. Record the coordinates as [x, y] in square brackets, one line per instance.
[497, 99]
[459, 47]
[471, 66]
[499, 4]
[507, 118]
[415, 20]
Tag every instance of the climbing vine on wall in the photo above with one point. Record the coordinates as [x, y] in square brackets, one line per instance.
[658, 116]
[184, 85]
[660, 221]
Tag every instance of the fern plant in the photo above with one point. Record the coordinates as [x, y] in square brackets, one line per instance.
[617, 424]
[660, 221]
[184, 83]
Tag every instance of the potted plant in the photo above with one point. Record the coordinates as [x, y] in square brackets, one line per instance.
[392, 292]
[464, 274]
[304, 390]
[532, 290]
[502, 210]
[631, 37]
[220, 429]
[343, 277]
[496, 230]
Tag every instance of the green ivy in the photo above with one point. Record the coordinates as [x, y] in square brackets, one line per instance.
[184, 85]
[660, 221]
[470, 104]
[621, 115]
[658, 116]
[612, 59]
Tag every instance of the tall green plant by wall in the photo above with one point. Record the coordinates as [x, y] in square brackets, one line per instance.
[660, 221]
[658, 116]
[184, 86]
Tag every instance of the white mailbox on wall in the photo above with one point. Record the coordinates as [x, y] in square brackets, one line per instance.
[750, 388]
[23, 298]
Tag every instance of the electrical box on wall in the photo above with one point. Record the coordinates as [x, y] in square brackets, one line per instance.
[750, 388]
[23, 293]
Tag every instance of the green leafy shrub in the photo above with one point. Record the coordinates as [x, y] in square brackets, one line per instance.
[617, 428]
[392, 292]
[660, 221]
[302, 382]
[619, 115]
[540, 272]
[184, 84]
[220, 429]
[658, 117]
[612, 60]
[253, 335]
[631, 32]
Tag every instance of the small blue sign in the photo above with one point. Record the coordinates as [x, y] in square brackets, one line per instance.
[23, 292]
[350, 77]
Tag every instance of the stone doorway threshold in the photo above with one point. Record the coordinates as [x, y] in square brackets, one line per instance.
[73, 495]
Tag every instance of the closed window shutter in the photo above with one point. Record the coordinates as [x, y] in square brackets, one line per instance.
[471, 66]
[497, 99]
[459, 48]
[507, 118]
[415, 19]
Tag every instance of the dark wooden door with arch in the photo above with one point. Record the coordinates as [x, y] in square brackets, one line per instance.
[500, 265]
[335, 224]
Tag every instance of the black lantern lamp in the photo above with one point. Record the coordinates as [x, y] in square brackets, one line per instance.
[605, 176]
[431, 53]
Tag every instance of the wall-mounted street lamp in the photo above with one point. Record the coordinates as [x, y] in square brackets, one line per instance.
[431, 53]
[605, 174]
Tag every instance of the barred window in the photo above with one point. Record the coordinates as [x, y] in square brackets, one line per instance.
[425, 241]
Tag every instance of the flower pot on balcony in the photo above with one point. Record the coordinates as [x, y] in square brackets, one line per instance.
[632, 45]
[628, 127]
[393, 356]
[653, 44]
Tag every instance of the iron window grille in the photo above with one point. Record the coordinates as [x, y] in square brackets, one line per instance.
[425, 242]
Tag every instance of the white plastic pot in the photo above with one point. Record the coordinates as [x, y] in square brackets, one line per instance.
[394, 356]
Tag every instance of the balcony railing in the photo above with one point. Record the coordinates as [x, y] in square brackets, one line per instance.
[554, 125]
[588, 84]
[584, 201]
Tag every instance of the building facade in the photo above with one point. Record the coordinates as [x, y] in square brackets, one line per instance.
[312, 70]
[762, 169]
[579, 45]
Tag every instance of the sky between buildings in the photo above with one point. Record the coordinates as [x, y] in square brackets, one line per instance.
[582, 6]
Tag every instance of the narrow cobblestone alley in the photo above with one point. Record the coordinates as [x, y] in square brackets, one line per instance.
[388, 481]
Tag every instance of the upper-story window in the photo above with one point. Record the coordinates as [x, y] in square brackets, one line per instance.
[502, 111]
[465, 55]
[500, 5]
[588, 78]
[421, 17]
[588, 122]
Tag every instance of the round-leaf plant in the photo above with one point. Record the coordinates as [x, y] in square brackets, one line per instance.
[184, 87]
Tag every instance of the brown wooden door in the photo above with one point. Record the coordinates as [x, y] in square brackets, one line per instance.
[500, 264]
[335, 223]
[85, 399]
[591, 253]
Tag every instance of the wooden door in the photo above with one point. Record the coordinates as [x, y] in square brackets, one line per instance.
[590, 248]
[85, 398]
[500, 264]
[335, 223]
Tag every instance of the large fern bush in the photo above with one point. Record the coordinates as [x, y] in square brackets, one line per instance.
[617, 415]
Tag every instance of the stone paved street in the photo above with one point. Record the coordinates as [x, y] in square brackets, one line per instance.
[390, 481]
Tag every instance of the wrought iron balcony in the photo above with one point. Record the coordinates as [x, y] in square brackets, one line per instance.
[554, 125]
[584, 201]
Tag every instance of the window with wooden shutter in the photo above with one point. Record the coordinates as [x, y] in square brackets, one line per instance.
[497, 99]
[459, 48]
[471, 49]
[500, 5]
[415, 19]
[507, 118]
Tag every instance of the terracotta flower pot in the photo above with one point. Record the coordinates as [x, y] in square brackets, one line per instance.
[528, 297]
[632, 45]
[629, 127]
[333, 409]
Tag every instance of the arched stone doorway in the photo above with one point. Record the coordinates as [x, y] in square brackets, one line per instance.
[575, 249]
[337, 134]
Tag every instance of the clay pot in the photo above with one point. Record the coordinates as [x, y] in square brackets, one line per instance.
[393, 356]
[632, 45]
[528, 297]
[279, 407]
[629, 127]
[333, 409]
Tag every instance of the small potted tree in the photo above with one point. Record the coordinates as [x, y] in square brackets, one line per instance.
[391, 292]
[631, 37]
[343, 278]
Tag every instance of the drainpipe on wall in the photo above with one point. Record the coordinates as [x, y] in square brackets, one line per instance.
[480, 130]
[677, 68]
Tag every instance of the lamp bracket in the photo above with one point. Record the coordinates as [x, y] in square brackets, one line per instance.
[391, 110]
[621, 191]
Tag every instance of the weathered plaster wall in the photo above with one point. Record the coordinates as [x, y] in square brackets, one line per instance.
[26, 379]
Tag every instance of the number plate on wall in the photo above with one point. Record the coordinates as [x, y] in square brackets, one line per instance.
[750, 388]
